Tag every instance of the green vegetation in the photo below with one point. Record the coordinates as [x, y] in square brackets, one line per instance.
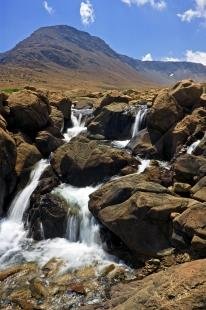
[9, 90]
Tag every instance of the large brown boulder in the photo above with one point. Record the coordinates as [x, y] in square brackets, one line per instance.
[189, 167]
[164, 113]
[191, 226]
[47, 143]
[140, 216]
[114, 121]
[199, 190]
[82, 161]
[181, 287]
[8, 156]
[29, 111]
[187, 93]
[142, 145]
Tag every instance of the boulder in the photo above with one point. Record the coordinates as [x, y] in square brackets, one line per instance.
[140, 215]
[47, 217]
[114, 121]
[47, 143]
[191, 226]
[62, 103]
[83, 162]
[188, 167]
[56, 118]
[188, 128]
[199, 190]
[113, 97]
[29, 111]
[179, 287]
[142, 145]
[187, 93]
[27, 154]
[164, 113]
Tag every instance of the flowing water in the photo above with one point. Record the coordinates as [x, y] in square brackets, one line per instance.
[139, 121]
[78, 118]
[138, 125]
[193, 146]
[81, 245]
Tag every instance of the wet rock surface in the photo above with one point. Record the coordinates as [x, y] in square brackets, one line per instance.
[83, 162]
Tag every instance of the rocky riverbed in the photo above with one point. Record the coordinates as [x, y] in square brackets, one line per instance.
[103, 199]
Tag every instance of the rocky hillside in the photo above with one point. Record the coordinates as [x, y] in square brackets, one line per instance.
[71, 56]
[152, 218]
[64, 57]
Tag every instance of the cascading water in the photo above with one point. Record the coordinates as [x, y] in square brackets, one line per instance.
[193, 146]
[12, 233]
[81, 226]
[138, 125]
[21, 201]
[139, 120]
[78, 118]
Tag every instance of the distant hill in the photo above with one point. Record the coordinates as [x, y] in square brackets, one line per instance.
[63, 57]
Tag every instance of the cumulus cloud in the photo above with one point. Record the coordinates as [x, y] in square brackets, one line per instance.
[48, 8]
[147, 57]
[199, 57]
[87, 12]
[199, 11]
[156, 4]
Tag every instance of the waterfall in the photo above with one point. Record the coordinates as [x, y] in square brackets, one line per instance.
[12, 233]
[21, 201]
[139, 120]
[81, 225]
[78, 118]
[193, 146]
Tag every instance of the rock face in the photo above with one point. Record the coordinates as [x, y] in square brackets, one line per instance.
[47, 217]
[190, 228]
[84, 162]
[114, 121]
[57, 118]
[176, 116]
[29, 111]
[180, 287]
[8, 156]
[47, 143]
[142, 146]
[164, 113]
[187, 93]
[188, 167]
[27, 154]
[139, 216]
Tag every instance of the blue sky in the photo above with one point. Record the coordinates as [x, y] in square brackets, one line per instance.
[144, 29]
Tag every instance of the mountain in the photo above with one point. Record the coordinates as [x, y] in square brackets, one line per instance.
[63, 57]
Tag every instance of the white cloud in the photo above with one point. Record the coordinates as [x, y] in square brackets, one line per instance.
[174, 59]
[147, 57]
[48, 8]
[199, 57]
[156, 4]
[199, 11]
[87, 12]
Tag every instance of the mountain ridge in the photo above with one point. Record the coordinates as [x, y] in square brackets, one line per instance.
[65, 55]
